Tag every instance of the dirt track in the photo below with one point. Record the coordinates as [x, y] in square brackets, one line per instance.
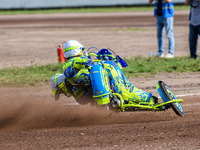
[30, 119]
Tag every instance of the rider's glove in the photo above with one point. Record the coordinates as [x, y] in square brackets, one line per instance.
[88, 63]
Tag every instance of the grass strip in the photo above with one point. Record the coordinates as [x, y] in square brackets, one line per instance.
[138, 66]
[152, 65]
[26, 76]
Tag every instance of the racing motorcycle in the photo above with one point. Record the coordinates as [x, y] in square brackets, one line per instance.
[104, 80]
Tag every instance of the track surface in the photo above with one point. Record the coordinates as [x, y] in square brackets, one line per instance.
[30, 119]
[78, 20]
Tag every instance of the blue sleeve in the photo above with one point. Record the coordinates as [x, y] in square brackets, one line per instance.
[68, 72]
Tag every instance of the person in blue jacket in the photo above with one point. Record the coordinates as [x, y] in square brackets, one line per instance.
[194, 27]
[164, 13]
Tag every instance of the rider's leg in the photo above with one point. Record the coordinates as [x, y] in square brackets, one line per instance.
[125, 88]
[82, 96]
[128, 90]
[58, 86]
[136, 94]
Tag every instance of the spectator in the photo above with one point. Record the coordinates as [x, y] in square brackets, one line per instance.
[194, 27]
[164, 13]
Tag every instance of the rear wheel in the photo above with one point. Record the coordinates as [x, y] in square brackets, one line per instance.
[168, 94]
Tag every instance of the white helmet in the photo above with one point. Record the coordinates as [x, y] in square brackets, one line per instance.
[72, 48]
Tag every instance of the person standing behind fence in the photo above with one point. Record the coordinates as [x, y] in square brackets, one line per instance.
[164, 13]
[194, 27]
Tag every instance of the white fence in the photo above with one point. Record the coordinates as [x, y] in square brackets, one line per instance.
[34, 4]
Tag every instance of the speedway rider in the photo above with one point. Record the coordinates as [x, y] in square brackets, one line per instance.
[75, 61]
[76, 58]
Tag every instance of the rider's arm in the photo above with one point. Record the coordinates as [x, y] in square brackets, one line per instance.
[82, 62]
[72, 66]
[66, 69]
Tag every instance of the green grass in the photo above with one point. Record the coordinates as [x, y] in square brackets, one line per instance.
[152, 65]
[138, 66]
[26, 76]
[86, 10]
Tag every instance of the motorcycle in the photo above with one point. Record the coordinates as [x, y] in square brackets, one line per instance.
[106, 84]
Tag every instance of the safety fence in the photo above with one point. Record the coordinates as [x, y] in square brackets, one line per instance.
[37, 4]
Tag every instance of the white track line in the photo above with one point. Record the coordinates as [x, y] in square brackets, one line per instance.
[187, 95]
[193, 104]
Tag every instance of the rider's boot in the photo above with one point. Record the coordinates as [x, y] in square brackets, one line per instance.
[153, 100]
[56, 93]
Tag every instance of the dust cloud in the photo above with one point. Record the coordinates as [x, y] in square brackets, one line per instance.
[20, 111]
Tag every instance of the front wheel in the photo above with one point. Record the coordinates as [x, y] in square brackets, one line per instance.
[167, 95]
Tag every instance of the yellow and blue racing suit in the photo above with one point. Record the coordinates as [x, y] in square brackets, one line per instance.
[78, 76]
[122, 86]
[78, 80]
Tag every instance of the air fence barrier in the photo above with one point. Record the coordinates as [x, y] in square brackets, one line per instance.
[46, 4]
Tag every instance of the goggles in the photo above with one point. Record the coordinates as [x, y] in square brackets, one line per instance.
[73, 47]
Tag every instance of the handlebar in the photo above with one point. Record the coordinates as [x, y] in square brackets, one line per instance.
[102, 57]
[105, 55]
